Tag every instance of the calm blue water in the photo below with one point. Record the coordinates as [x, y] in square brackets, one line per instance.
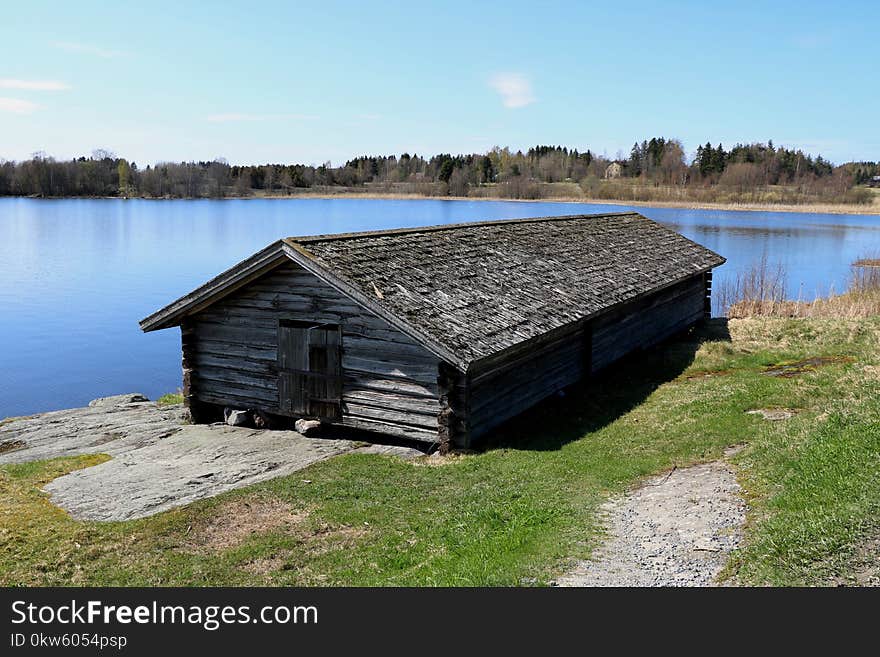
[77, 275]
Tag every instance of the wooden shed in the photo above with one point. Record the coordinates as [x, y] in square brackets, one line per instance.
[436, 334]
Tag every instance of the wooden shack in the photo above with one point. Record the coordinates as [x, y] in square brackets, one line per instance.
[436, 334]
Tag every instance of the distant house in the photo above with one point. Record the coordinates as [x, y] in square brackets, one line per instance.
[613, 170]
[875, 181]
[436, 334]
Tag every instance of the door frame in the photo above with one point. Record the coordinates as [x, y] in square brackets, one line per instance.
[309, 323]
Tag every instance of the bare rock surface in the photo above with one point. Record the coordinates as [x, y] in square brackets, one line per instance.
[773, 414]
[400, 451]
[110, 425]
[158, 462]
[196, 462]
[676, 530]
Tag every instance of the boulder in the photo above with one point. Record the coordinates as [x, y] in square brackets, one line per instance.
[116, 400]
[307, 427]
[236, 418]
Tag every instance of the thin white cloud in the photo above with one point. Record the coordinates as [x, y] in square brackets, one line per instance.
[237, 116]
[814, 40]
[33, 85]
[88, 49]
[515, 89]
[17, 106]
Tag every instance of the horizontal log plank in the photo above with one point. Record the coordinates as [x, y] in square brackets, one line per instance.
[423, 405]
[233, 400]
[219, 375]
[645, 317]
[372, 379]
[390, 415]
[403, 431]
[416, 372]
[251, 366]
[609, 356]
[202, 385]
[232, 349]
[551, 376]
[241, 334]
[407, 352]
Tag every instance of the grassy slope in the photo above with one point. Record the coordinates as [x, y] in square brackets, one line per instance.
[518, 512]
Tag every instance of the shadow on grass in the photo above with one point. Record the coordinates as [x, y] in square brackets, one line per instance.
[589, 405]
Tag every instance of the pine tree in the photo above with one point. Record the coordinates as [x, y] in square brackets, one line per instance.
[719, 159]
[635, 161]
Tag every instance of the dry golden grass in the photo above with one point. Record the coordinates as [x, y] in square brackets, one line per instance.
[809, 208]
[760, 292]
[850, 305]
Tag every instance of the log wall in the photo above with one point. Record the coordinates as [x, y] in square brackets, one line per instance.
[646, 322]
[393, 385]
[506, 384]
[389, 381]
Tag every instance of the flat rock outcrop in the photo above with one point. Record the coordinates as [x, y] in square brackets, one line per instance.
[158, 461]
[109, 425]
[196, 462]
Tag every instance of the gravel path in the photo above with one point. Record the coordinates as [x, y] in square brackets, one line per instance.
[159, 463]
[676, 530]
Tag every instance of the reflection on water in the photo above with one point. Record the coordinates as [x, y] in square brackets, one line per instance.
[78, 274]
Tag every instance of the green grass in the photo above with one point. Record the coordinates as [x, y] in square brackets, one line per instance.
[170, 398]
[521, 510]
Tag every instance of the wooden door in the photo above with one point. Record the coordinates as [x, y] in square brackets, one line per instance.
[310, 369]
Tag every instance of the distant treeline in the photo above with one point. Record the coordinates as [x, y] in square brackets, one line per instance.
[742, 172]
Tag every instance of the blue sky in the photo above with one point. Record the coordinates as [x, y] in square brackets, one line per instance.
[309, 82]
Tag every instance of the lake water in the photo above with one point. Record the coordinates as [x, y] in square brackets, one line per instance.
[77, 275]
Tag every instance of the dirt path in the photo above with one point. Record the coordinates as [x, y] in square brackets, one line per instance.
[676, 530]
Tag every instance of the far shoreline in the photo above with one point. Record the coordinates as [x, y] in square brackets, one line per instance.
[807, 208]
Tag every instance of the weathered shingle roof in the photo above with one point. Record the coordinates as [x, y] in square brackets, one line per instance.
[479, 288]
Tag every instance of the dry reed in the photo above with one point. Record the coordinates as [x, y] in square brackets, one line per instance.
[760, 291]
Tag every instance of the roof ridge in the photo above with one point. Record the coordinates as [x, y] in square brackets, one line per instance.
[309, 239]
